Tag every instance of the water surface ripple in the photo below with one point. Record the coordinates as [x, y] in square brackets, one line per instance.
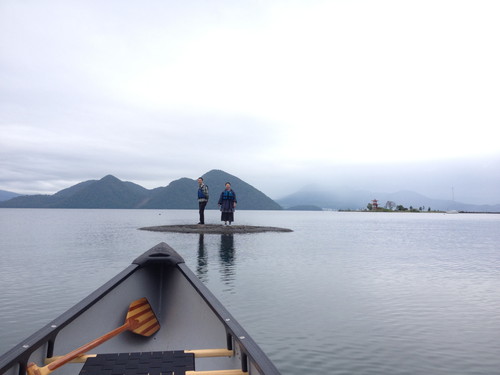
[345, 293]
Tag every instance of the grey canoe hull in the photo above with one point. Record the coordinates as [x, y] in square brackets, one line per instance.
[190, 317]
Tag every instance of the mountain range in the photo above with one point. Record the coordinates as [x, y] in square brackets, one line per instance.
[111, 192]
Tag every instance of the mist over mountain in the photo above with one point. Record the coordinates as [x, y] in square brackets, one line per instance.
[468, 180]
[5, 195]
[111, 192]
[350, 199]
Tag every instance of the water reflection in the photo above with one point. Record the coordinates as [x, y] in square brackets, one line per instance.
[227, 254]
[202, 266]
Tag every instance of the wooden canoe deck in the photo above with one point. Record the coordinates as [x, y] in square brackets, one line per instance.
[214, 229]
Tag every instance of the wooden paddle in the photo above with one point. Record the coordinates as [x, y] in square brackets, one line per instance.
[140, 319]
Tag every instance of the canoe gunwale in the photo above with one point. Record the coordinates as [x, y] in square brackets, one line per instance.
[233, 328]
[20, 354]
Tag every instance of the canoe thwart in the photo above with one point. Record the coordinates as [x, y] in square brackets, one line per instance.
[217, 372]
[198, 353]
[205, 353]
[157, 362]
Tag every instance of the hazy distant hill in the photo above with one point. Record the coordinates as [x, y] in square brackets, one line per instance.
[110, 192]
[316, 196]
[5, 195]
[305, 207]
[30, 201]
[344, 199]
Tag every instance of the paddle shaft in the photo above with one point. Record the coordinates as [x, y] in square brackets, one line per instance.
[140, 319]
[35, 370]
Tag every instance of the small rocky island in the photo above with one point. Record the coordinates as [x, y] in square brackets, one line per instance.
[214, 229]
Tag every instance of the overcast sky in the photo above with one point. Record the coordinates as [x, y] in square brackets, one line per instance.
[378, 95]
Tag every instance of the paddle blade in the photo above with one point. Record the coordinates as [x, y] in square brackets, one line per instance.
[141, 318]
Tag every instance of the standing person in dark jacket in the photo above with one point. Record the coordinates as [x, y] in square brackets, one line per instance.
[202, 199]
[227, 204]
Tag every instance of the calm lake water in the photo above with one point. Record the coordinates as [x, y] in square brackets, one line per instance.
[345, 293]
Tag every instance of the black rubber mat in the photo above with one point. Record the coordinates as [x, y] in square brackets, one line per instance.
[152, 363]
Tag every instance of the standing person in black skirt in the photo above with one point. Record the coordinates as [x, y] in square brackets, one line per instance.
[227, 204]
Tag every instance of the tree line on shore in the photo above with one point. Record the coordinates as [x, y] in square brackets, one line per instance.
[390, 206]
